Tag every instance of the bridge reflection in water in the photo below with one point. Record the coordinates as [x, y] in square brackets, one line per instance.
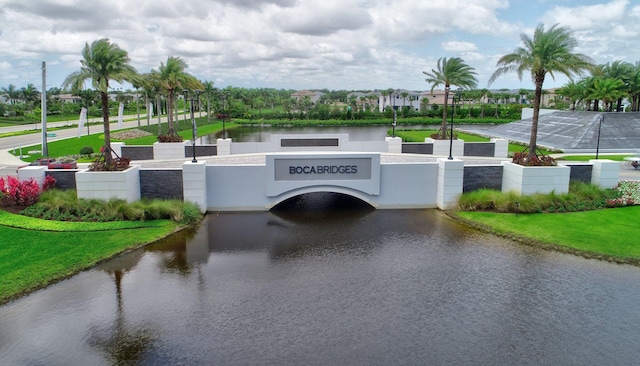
[347, 286]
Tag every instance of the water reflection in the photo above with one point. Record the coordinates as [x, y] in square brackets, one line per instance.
[360, 286]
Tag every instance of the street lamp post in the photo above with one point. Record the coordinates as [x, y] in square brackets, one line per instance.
[395, 112]
[453, 100]
[194, 127]
[599, 128]
[223, 98]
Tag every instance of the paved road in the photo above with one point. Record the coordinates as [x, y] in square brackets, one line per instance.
[8, 162]
[16, 142]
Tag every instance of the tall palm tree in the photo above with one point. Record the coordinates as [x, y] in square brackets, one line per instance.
[453, 71]
[622, 71]
[172, 77]
[607, 90]
[574, 91]
[208, 91]
[634, 87]
[548, 52]
[102, 62]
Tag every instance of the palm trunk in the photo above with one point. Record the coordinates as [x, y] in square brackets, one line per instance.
[107, 131]
[533, 139]
[171, 131]
[443, 129]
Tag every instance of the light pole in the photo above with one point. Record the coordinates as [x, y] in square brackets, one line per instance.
[599, 128]
[393, 96]
[223, 98]
[185, 106]
[194, 127]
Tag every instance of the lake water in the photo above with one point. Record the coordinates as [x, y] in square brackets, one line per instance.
[332, 286]
[263, 134]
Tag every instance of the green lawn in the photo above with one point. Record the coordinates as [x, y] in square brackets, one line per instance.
[590, 157]
[35, 253]
[72, 146]
[609, 233]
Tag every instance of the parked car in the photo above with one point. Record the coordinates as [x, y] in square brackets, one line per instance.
[58, 164]
[52, 163]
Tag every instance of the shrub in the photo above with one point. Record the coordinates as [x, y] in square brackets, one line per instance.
[49, 183]
[87, 150]
[522, 158]
[14, 192]
[170, 138]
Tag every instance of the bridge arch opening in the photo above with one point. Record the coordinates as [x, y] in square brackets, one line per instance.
[322, 202]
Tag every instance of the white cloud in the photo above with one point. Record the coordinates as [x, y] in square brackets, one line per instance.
[346, 44]
[457, 46]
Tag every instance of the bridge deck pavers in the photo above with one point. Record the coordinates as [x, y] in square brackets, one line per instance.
[260, 159]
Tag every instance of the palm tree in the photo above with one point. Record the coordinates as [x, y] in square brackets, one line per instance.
[549, 51]
[634, 87]
[607, 90]
[171, 77]
[574, 91]
[450, 72]
[12, 93]
[622, 71]
[208, 91]
[102, 61]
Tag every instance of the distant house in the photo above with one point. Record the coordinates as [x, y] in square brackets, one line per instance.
[314, 96]
[550, 98]
[396, 99]
[68, 98]
[364, 99]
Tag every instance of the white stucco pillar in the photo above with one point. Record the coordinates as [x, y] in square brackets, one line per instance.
[394, 145]
[605, 173]
[450, 178]
[117, 149]
[36, 172]
[441, 147]
[224, 146]
[501, 149]
[194, 183]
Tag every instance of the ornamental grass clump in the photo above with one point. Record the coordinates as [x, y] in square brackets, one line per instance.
[65, 206]
[581, 197]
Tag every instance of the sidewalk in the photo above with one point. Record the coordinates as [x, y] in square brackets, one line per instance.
[7, 158]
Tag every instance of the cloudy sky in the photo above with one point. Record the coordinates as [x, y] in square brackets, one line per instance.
[305, 44]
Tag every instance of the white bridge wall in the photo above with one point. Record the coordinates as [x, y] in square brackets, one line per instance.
[246, 187]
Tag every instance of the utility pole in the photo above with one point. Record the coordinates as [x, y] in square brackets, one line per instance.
[43, 103]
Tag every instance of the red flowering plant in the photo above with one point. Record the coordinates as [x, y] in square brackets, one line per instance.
[16, 193]
[539, 159]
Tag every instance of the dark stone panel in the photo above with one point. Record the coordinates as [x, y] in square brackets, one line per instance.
[581, 172]
[65, 178]
[309, 142]
[163, 184]
[201, 150]
[417, 148]
[138, 152]
[482, 176]
[479, 148]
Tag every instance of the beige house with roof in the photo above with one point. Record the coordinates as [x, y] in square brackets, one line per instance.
[314, 96]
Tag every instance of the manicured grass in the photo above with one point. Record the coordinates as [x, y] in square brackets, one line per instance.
[35, 253]
[590, 157]
[420, 135]
[607, 233]
[72, 146]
